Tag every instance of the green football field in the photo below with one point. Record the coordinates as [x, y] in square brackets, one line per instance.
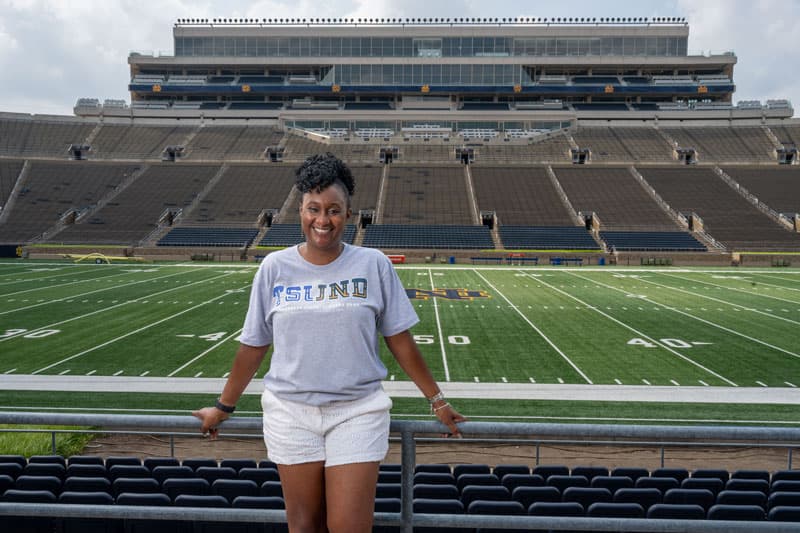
[535, 325]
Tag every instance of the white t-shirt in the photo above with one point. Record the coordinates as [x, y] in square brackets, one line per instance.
[323, 322]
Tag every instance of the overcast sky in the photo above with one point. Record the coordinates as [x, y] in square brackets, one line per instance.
[53, 52]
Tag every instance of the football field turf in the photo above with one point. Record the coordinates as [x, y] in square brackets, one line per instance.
[672, 327]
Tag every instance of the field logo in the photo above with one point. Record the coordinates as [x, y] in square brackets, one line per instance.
[447, 294]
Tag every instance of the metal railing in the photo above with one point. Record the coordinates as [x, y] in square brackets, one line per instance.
[409, 432]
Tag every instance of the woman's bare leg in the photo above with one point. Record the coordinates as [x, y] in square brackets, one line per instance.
[304, 494]
[350, 497]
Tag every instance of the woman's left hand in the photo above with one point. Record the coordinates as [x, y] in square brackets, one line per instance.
[449, 417]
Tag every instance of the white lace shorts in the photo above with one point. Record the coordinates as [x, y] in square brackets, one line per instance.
[352, 431]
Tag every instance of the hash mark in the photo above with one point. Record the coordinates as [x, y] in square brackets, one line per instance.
[64, 372]
[118, 372]
[703, 383]
[762, 383]
[646, 382]
[675, 383]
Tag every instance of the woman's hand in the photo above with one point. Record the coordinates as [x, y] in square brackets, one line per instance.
[210, 419]
[449, 417]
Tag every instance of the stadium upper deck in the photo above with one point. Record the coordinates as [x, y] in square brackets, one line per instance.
[522, 72]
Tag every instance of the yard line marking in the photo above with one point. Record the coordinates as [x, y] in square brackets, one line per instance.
[749, 293]
[723, 328]
[504, 380]
[198, 374]
[64, 372]
[561, 381]
[703, 383]
[540, 332]
[532, 380]
[728, 303]
[391, 378]
[118, 372]
[134, 332]
[23, 280]
[91, 372]
[226, 374]
[10, 371]
[645, 336]
[48, 326]
[62, 284]
[675, 383]
[645, 382]
[70, 299]
[439, 328]
[792, 385]
[232, 335]
[143, 374]
[477, 380]
[618, 382]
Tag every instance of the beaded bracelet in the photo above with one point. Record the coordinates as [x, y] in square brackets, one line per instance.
[436, 409]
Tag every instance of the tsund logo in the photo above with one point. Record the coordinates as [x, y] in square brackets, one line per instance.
[447, 294]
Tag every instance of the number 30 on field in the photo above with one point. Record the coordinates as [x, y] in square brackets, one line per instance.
[452, 339]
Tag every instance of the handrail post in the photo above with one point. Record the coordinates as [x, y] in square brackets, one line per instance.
[408, 450]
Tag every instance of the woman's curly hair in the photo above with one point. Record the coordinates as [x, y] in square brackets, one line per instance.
[320, 171]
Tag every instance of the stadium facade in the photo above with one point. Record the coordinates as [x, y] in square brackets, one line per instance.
[515, 74]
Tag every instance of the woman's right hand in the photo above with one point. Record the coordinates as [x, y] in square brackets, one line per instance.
[210, 419]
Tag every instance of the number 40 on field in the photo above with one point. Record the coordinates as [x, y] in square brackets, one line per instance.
[672, 343]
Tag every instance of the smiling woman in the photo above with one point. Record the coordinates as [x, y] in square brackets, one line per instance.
[323, 305]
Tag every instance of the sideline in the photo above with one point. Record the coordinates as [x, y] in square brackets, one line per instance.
[402, 389]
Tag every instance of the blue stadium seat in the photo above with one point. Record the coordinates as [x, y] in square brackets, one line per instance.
[86, 470]
[435, 492]
[28, 524]
[742, 497]
[48, 483]
[715, 485]
[153, 462]
[589, 472]
[783, 499]
[85, 460]
[676, 473]
[786, 475]
[271, 488]
[751, 474]
[716, 473]
[612, 483]
[644, 497]
[434, 478]
[784, 514]
[233, 488]
[586, 496]
[556, 509]
[48, 459]
[661, 483]
[88, 525]
[760, 485]
[87, 484]
[175, 486]
[161, 473]
[564, 482]
[530, 495]
[512, 481]
[12, 470]
[45, 469]
[461, 469]
[476, 479]
[238, 464]
[128, 471]
[211, 474]
[676, 512]
[428, 506]
[502, 470]
[135, 485]
[702, 497]
[615, 510]
[749, 513]
[551, 470]
[389, 477]
[122, 460]
[436, 468]
[6, 482]
[259, 475]
[472, 493]
[196, 462]
[632, 472]
[388, 490]
[18, 459]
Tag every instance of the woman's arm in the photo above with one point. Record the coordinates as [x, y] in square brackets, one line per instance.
[245, 365]
[407, 354]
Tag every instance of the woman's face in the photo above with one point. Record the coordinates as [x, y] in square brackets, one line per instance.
[323, 216]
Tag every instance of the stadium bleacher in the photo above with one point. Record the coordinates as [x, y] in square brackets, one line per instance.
[534, 490]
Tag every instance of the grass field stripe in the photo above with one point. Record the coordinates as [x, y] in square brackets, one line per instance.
[76, 296]
[642, 335]
[198, 357]
[109, 308]
[793, 302]
[134, 332]
[37, 279]
[700, 295]
[782, 279]
[704, 321]
[439, 328]
[536, 329]
[48, 287]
